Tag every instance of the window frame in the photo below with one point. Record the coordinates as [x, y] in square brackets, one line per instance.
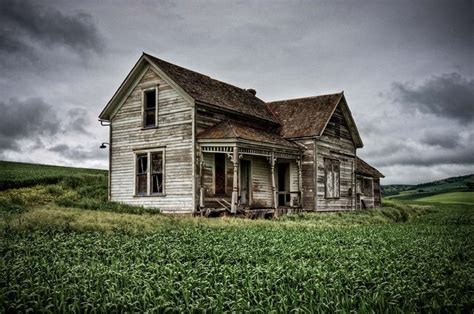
[149, 152]
[154, 88]
[332, 163]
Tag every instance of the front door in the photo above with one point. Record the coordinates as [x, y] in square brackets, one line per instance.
[283, 184]
[219, 174]
[244, 182]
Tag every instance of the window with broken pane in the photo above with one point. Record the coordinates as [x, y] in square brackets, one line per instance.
[142, 167]
[156, 173]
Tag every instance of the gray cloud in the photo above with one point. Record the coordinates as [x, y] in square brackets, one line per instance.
[78, 152]
[446, 140]
[25, 23]
[29, 119]
[78, 120]
[448, 95]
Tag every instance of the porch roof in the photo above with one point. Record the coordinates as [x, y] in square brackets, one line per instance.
[364, 168]
[226, 130]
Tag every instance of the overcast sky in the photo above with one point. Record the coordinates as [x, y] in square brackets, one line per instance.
[406, 68]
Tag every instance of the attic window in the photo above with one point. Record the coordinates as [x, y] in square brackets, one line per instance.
[150, 107]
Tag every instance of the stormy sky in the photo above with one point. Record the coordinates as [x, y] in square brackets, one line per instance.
[406, 68]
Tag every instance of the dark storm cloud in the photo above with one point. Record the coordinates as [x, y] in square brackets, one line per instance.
[78, 152]
[414, 153]
[29, 119]
[444, 140]
[448, 95]
[24, 23]
[78, 120]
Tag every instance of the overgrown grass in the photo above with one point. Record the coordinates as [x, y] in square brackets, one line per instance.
[184, 264]
[75, 190]
[17, 174]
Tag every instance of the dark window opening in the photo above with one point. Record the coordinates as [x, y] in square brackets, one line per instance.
[219, 176]
[150, 108]
[157, 173]
[142, 166]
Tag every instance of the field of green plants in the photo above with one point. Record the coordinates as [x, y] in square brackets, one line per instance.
[60, 253]
[17, 174]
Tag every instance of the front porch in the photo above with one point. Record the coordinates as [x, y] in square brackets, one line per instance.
[248, 178]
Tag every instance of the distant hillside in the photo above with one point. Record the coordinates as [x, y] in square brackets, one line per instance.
[423, 190]
[18, 174]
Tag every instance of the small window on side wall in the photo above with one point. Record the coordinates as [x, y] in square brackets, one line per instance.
[332, 175]
[150, 108]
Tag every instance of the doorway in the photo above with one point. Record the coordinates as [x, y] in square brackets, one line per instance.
[283, 173]
[219, 174]
[245, 182]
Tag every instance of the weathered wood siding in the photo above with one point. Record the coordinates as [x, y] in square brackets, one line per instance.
[377, 193]
[336, 143]
[308, 174]
[174, 133]
[261, 182]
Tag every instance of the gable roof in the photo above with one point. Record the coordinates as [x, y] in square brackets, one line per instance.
[207, 90]
[233, 130]
[365, 169]
[194, 86]
[307, 117]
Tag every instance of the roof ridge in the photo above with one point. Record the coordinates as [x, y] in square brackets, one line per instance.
[217, 80]
[303, 98]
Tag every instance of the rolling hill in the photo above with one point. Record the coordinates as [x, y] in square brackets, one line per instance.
[450, 190]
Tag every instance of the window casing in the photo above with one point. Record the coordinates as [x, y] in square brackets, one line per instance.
[332, 175]
[150, 107]
[150, 172]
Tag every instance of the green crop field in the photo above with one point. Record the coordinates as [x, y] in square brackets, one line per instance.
[450, 198]
[17, 174]
[65, 248]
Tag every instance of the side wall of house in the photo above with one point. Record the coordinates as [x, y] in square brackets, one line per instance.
[377, 193]
[308, 174]
[336, 143]
[174, 134]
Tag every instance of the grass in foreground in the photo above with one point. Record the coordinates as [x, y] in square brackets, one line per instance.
[184, 264]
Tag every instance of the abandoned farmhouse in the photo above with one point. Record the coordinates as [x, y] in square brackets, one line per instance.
[184, 142]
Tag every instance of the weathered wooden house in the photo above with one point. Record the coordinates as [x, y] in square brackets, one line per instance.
[184, 142]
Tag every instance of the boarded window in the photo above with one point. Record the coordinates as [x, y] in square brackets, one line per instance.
[219, 175]
[367, 187]
[150, 108]
[157, 173]
[142, 167]
[332, 178]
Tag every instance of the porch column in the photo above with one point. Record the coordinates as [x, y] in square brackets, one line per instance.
[272, 167]
[235, 187]
[201, 188]
[300, 181]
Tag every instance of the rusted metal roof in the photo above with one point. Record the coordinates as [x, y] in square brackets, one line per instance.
[365, 169]
[233, 130]
[304, 116]
[205, 89]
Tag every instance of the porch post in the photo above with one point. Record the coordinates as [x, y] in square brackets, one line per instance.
[300, 182]
[272, 167]
[201, 188]
[235, 188]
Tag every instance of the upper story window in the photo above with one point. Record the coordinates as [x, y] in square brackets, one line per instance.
[150, 107]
